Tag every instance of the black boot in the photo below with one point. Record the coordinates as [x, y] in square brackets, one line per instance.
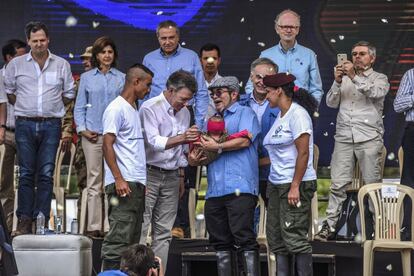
[283, 264]
[223, 263]
[304, 264]
[251, 263]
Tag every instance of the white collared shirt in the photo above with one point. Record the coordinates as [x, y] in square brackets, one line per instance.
[160, 123]
[3, 99]
[39, 91]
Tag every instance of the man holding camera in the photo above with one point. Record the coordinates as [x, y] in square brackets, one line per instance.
[359, 93]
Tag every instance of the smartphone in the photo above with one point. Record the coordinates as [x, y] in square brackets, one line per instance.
[342, 58]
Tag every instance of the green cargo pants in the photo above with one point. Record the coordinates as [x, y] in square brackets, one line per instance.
[125, 216]
[287, 226]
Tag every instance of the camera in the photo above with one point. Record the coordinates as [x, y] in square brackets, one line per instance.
[156, 264]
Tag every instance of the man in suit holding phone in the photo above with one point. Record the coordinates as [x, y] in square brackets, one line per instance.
[358, 91]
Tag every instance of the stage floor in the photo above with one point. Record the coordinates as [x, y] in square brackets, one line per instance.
[196, 257]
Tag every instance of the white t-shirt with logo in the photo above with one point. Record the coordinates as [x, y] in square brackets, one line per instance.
[122, 119]
[280, 143]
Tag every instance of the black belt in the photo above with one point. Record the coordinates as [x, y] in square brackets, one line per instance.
[155, 168]
[35, 119]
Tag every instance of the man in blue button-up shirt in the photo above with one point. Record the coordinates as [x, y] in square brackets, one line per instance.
[171, 57]
[232, 181]
[266, 115]
[292, 57]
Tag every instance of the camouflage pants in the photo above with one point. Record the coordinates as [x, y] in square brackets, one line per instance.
[287, 226]
[125, 219]
[80, 167]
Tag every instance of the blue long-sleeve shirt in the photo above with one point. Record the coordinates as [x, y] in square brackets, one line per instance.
[404, 101]
[163, 66]
[268, 118]
[299, 61]
[237, 170]
[96, 91]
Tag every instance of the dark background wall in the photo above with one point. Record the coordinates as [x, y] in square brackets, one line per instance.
[242, 29]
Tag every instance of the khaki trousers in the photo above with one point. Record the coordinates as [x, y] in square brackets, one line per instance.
[343, 160]
[7, 178]
[94, 182]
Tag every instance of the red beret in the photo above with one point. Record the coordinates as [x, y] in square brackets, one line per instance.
[278, 80]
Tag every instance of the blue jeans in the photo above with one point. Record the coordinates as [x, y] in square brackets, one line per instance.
[36, 143]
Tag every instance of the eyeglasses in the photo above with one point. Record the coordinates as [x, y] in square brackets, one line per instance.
[218, 92]
[354, 54]
[286, 27]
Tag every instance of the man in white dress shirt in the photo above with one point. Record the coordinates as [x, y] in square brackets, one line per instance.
[166, 120]
[38, 84]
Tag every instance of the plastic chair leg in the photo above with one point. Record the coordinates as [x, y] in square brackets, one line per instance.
[406, 261]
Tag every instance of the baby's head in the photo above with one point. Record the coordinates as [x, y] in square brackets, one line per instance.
[216, 125]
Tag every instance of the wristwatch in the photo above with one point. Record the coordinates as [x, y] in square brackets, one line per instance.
[220, 148]
[3, 126]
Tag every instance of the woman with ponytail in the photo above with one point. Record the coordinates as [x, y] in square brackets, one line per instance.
[292, 178]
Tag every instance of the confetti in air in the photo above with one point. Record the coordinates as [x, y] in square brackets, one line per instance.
[249, 38]
[71, 55]
[88, 105]
[391, 156]
[316, 114]
[298, 204]
[354, 22]
[366, 121]
[389, 267]
[384, 20]
[114, 201]
[160, 12]
[210, 60]
[333, 40]
[200, 217]
[332, 123]
[341, 37]
[183, 43]
[60, 207]
[95, 24]
[325, 134]
[287, 223]
[241, 83]
[261, 44]
[71, 21]
[358, 238]
[242, 20]
[237, 192]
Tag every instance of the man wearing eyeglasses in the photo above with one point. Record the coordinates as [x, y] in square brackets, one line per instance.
[292, 57]
[358, 91]
[232, 181]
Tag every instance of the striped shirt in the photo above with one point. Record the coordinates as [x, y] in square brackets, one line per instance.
[404, 100]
